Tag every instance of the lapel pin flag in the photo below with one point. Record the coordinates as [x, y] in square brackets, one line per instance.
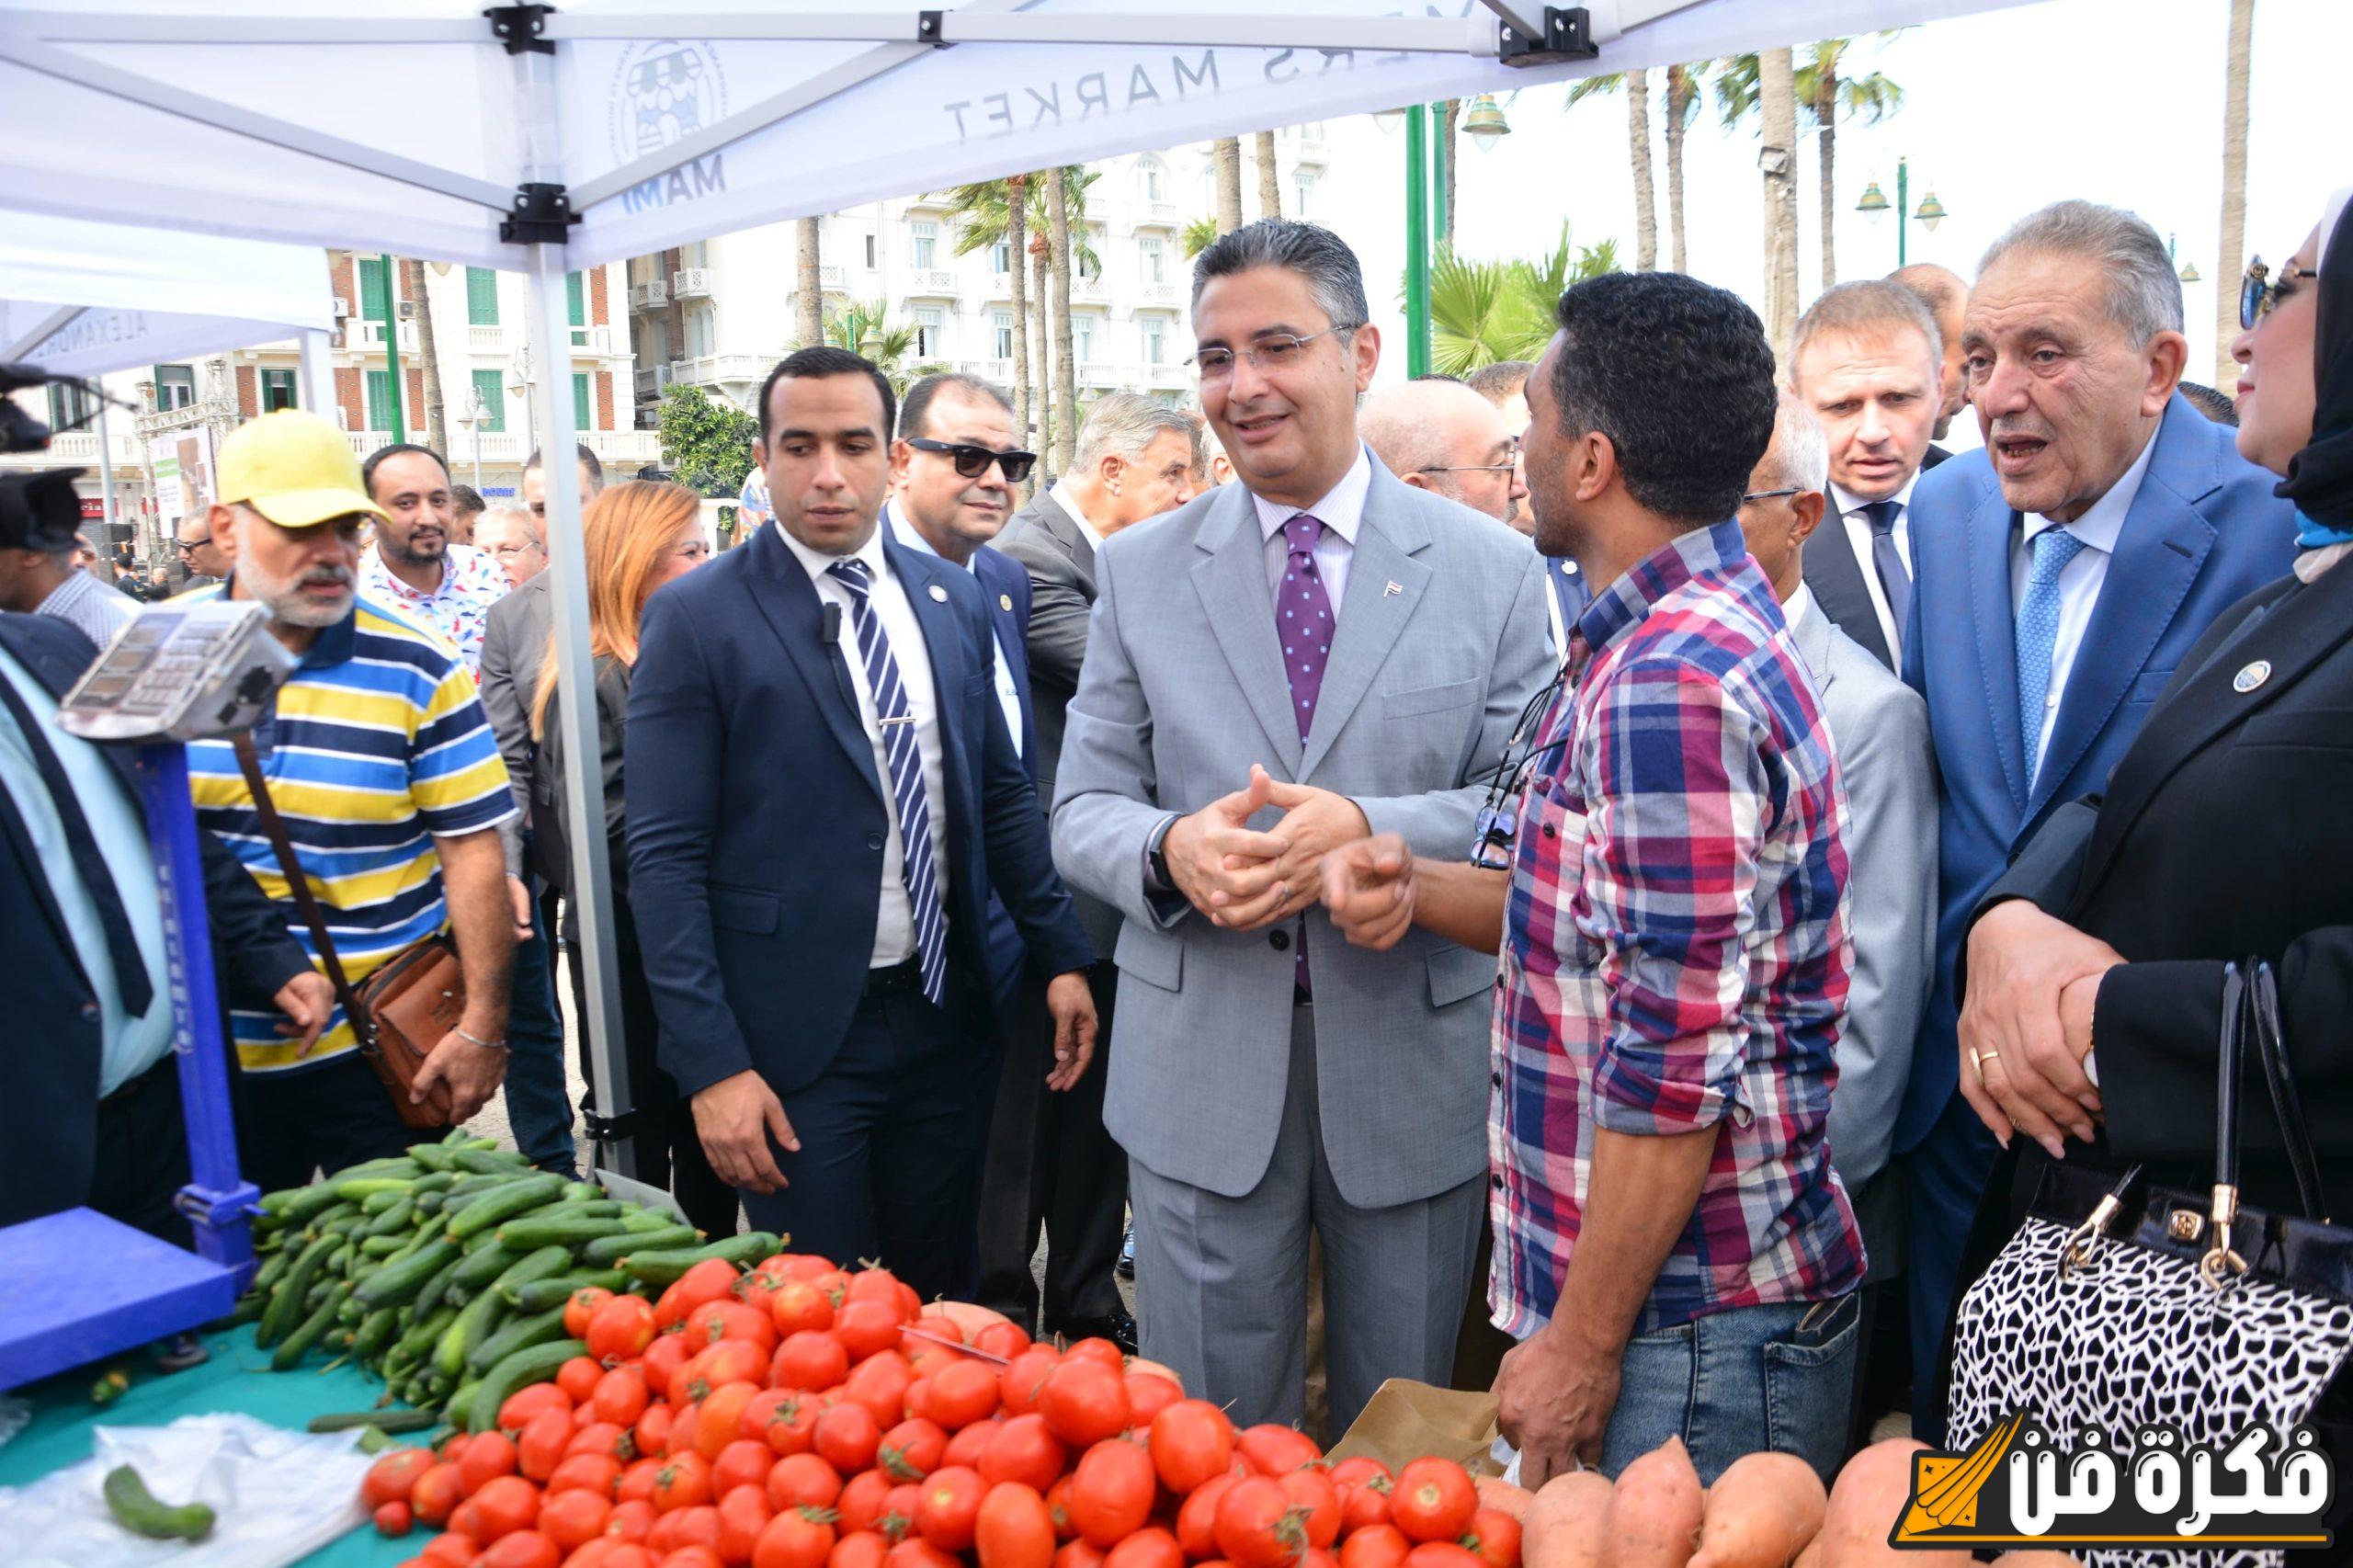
[1392, 590]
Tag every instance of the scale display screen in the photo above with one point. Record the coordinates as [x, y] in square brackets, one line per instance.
[180, 673]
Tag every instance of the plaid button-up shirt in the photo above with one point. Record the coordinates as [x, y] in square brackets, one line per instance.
[1676, 954]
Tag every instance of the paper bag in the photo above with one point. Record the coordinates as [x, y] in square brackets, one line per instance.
[1406, 1420]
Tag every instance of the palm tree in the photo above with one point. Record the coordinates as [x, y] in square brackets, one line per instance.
[852, 328]
[1450, 143]
[1778, 113]
[2226, 317]
[1270, 187]
[997, 212]
[809, 286]
[1058, 217]
[1199, 236]
[1485, 311]
[1682, 106]
[434, 433]
[1827, 95]
[1227, 153]
[1637, 87]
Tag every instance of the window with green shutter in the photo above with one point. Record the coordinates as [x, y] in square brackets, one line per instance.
[482, 297]
[492, 384]
[375, 288]
[380, 400]
[580, 408]
[277, 390]
[575, 291]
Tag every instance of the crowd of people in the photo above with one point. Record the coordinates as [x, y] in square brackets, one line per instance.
[1620, 874]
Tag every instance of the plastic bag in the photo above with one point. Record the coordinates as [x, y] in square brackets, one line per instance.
[280, 1495]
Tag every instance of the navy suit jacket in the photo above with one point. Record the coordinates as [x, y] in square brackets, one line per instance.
[2203, 532]
[49, 1076]
[756, 821]
[1005, 584]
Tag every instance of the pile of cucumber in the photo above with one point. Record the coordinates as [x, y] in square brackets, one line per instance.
[446, 1271]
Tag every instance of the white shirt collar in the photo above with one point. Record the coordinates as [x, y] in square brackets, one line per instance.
[1846, 500]
[1061, 495]
[1798, 606]
[816, 562]
[1341, 510]
[2104, 520]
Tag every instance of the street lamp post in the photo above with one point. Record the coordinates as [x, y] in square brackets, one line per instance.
[1417, 242]
[402, 311]
[1874, 205]
[477, 410]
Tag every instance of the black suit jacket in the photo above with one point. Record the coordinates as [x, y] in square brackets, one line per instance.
[49, 1072]
[1836, 576]
[757, 822]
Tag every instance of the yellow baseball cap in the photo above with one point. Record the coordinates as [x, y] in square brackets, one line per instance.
[293, 468]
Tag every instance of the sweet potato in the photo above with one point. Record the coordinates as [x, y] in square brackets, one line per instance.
[1504, 1497]
[1564, 1523]
[968, 1317]
[1653, 1511]
[1761, 1513]
[1865, 1503]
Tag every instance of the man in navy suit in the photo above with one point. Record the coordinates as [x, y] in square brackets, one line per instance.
[813, 842]
[2062, 573]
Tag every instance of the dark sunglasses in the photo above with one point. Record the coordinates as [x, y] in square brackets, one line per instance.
[2257, 296]
[973, 461]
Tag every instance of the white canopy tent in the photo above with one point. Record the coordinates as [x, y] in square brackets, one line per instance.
[541, 140]
[83, 299]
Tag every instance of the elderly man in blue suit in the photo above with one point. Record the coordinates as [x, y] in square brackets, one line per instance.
[2059, 576]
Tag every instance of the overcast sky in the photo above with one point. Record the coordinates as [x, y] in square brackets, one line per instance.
[2116, 100]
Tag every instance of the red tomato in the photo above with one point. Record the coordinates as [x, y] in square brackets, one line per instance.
[580, 1306]
[963, 1391]
[1058, 1508]
[651, 1433]
[1494, 1538]
[695, 1526]
[792, 1424]
[967, 1447]
[743, 1462]
[487, 1456]
[620, 1397]
[732, 1320]
[1375, 1546]
[1276, 1451]
[694, 1556]
[1315, 1503]
[597, 1473]
[682, 1482]
[1442, 1554]
[809, 1358]
[543, 1440]
[394, 1518]
[637, 1481]
[451, 1547]
[1112, 1491]
[1079, 1555]
[1197, 1516]
[803, 1481]
[867, 1327]
[602, 1437]
[597, 1553]
[630, 1519]
[1433, 1501]
[898, 1520]
[394, 1476]
[1148, 1395]
[526, 1403]
[662, 1358]
[1364, 1505]
[863, 1498]
[1013, 1528]
[917, 1553]
[1191, 1441]
[506, 1504]
[721, 1420]
[629, 1554]
[1024, 1378]
[465, 1520]
[1250, 1525]
[858, 1549]
[576, 1379]
[948, 1506]
[436, 1494]
[877, 1285]
[683, 1428]
[796, 1538]
[1004, 1340]
[797, 1306]
[712, 1279]
[1023, 1451]
[729, 1361]
[880, 1383]
[1359, 1469]
[574, 1518]
[1154, 1548]
[913, 1449]
[1085, 1402]
[848, 1437]
[1099, 1349]
[521, 1549]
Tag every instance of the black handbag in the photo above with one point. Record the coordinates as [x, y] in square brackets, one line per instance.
[2119, 1306]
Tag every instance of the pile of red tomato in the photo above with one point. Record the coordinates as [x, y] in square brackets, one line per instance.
[788, 1418]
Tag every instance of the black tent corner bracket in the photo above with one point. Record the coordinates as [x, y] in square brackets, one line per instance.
[540, 216]
[1568, 35]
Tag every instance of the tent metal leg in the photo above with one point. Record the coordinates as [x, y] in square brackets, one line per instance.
[318, 373]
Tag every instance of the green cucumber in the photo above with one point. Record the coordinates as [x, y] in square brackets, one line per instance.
[135, 1509]
[297, 1344]
[436, 1287]
[538, 1295]
[299, 1205]
[650, 1220]
[384, 1166]
[377, 1202]
[401, 1282]
[664, 1267]
[488, 1161]
[469, 1328]
[274, 1270]
[612, 1249]
[394, 1217]
[383, 1420]
[382, 1246]
[519, 1333]
[286, 1302]
[434, 1157]
[557, 1228]
[534, 1364]
[505, 1204]
[484, 1266]
[543, 1263]
[429, 1203]
[582, 1191]
[376, 1330]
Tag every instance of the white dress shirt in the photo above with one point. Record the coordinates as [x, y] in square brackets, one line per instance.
[1008, 696]
[2079, 580]
[894, 925]
[1858, 539]
[1086, 529]
[1340, 513]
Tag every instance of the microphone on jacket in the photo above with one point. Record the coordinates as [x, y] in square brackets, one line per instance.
[832, 627]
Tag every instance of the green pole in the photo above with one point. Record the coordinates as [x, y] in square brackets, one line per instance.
[393, 342]
[1417, 242]
[1441, 217]
[1902, 211]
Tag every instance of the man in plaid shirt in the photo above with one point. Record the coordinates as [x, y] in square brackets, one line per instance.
[1672, 1247]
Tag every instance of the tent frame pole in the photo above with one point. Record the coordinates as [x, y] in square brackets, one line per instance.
[318, 373]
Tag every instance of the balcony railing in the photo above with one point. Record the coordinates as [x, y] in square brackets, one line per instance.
[932, 282]
[1156, 294]
[592, 340]
[652, 296]
[1089, 290]
[690, 283]
[490, 339]
[721, 369]
[371, 335]
[1156, 215]
[829, 278]
[653, 380]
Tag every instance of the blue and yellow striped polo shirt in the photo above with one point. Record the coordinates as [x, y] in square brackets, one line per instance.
[376, 743]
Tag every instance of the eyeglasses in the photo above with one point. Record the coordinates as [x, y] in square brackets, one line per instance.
[1770, 495]
[508, 551]
[1275, 351]
[1469, 468]
[2258, 298]
[973, 461]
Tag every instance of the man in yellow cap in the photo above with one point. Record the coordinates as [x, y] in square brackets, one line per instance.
[384, 767]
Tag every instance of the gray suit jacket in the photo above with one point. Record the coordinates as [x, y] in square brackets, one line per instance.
[1061, 564]
[1879, 727]
[513, 641]
[1439, 643]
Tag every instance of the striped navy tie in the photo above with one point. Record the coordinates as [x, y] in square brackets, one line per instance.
[906, 777]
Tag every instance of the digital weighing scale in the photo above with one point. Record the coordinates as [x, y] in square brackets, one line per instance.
[79, 1286]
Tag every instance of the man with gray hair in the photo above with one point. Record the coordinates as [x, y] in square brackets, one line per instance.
[1312, 653]
[2063, 573]
[1945, 294]
[1050, 1163]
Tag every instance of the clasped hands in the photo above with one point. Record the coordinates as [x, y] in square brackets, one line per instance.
[2026, 1026]
[1245, 881]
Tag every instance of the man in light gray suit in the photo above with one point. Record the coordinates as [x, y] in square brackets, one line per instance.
[1274, 670]
[1879, 727]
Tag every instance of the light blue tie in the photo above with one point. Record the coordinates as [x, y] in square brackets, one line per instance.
[906, 777]
[2037, 634]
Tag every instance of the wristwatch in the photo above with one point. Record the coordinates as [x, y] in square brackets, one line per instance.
[1155, 855]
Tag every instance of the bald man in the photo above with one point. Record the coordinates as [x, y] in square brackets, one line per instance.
[1945, 294]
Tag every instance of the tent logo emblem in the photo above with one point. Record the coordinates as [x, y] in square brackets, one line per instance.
[663, 90]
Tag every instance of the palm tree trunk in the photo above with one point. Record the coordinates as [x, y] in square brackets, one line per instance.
[428, 359]
[1042, 269]
[1638, 137]
[1016, 239]
[1450, 143]
[1270, 185]
[1825, 117]
[1065, 367]
[1778, 104]
[2234, 257]
[1228, 151]
[809, 286]
[1679, 110]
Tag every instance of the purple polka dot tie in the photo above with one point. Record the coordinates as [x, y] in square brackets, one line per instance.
[1303, 624]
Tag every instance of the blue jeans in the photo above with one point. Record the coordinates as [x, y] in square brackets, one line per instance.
[1775, 1377]
[539, 1106]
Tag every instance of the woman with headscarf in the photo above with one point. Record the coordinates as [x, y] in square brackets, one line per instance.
[2093, 977]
